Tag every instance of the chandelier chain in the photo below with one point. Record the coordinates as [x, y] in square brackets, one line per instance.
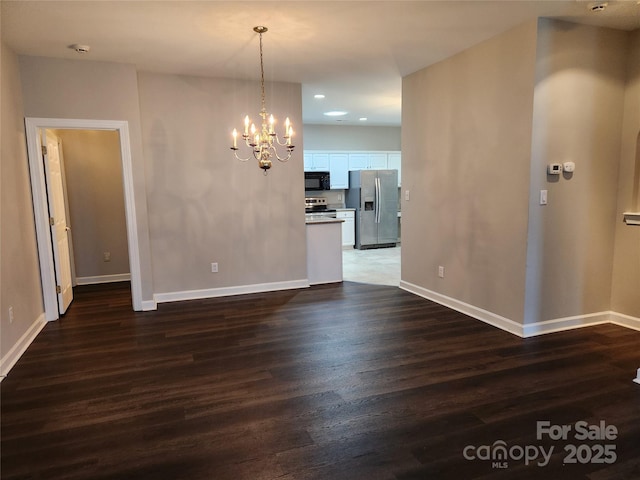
[262, 74]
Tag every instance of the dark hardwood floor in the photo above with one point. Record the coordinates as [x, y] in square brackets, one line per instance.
[346, 381]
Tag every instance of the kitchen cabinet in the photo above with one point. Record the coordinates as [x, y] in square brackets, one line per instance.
[358, 161]
[348, 227]
[373, 160]
[339, 164]
[377, 161]
[339, 170]
[394, 162]
[316, 162]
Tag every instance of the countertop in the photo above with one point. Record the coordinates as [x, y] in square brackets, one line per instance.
[317, 220]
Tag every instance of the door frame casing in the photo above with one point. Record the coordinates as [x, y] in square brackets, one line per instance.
[41, 209]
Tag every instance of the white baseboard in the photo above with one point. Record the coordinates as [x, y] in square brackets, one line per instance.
[14, 354]
[530, 329]
[625, 320]
[120, 277]
[485, 316]
[565, 323]
[228, 291]
[149, 305]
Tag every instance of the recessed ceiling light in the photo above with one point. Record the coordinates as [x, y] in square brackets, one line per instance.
[335, 113]
[363, 119]
[318, 95]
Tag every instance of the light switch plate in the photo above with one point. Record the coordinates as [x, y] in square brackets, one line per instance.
[543, 197]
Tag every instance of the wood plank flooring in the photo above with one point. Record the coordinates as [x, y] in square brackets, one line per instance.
[345, 381]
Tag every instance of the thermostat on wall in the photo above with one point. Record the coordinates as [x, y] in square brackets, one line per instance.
[554, 168]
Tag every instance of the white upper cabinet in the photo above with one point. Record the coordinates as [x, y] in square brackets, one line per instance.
[358, 161]
[394, 162]
[316, 162]
[368, 160]
[339, 170]
[377, 161]
[340, 163]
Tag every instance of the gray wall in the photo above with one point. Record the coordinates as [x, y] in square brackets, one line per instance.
[20, 275]
[579, 94]
[55, 88]
[93, 172]
[348, 137]
[478, 131]
[205, 206]
[466, 143]
[625, 296]
[195, 203]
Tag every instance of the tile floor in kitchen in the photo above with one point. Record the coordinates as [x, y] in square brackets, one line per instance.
[380, 266]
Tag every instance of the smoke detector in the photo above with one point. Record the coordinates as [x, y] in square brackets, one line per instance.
[80, 48]
[598, 7]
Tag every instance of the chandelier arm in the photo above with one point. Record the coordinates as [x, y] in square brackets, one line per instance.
[282, 144]
[283, 159]
[235, 153]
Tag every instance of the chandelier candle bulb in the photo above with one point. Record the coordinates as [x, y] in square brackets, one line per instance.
[235, 139]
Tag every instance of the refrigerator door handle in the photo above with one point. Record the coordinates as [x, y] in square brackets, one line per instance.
[377, 199]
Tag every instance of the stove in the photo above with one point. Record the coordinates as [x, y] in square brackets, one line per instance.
[317, 207]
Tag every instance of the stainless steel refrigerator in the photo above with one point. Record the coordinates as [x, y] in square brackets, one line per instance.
[374, 195]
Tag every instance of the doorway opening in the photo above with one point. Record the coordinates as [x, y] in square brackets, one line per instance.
[46, 233]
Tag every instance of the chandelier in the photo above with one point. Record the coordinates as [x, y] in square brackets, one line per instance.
[264, 143]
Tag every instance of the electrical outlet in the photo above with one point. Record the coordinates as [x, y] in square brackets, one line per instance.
[10, 314]
[106, 256]
[214, 267]
[407, 195]
[339, 197]
[441, 271]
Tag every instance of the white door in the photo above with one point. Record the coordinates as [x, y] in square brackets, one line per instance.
[58, 220]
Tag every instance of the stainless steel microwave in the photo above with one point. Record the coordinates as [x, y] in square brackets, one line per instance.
[316, 181]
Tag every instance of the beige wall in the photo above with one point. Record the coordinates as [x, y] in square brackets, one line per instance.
[55, 88]
[349, 137]
[93, 172]
[20, 275]
[580, 80]
[625, 297]
[466, 143]
[205, 206]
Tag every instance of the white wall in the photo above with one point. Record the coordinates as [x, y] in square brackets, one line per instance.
[20, 275]
[349, 137]
[466, 143]
[579, 94]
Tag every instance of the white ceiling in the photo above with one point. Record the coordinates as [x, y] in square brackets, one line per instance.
[353, 52]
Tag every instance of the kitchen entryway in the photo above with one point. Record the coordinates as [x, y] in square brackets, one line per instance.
[380, 266]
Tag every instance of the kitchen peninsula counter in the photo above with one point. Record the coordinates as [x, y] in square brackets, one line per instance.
[324, 249]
